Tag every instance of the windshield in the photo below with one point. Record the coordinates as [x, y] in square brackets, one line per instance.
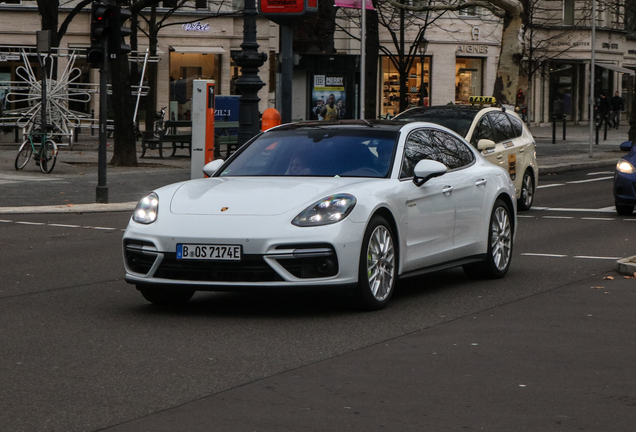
[317, 152]
[456, 119]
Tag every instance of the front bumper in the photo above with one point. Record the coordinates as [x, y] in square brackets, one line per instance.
[272, 257]
[625, 188]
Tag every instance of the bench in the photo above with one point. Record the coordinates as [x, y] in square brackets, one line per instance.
[171, 134]
[225, 143]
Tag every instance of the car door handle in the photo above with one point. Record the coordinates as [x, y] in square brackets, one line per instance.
[481, 182]
[447, 190]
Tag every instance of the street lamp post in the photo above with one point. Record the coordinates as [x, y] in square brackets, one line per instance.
[249, 83]
[422, 46]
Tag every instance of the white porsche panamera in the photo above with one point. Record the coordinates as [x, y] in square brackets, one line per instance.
[344, 205]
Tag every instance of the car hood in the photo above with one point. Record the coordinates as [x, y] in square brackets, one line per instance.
[254, 196]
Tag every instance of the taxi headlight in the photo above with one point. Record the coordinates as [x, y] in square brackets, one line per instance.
[625, 167]
[147, 209]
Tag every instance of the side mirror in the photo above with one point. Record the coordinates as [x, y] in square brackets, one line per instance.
[485, 144]
[426, 170]
[211, 167]
[626, 146]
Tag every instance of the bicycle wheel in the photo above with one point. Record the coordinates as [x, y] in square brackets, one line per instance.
[24, 154]
[48, 156]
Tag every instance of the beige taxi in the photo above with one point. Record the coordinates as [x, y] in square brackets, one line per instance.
[500, 134]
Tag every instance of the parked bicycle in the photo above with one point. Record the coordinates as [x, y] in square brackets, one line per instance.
[39, 143]
[159, 123]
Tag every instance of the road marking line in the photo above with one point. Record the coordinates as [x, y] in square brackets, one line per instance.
[600, 173]
[525, 216]
[600, 219]
[6, 221]
[590, 180]
[557, 217]
[544, 255]
[550, 185]
[65, 226]
[601, 210]
[31, 223]
[105, 228]
[596, 257]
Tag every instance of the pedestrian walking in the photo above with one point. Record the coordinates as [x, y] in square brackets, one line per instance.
[603, 110]
[618, 105]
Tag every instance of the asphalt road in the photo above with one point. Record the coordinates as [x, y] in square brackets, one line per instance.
[549, 347]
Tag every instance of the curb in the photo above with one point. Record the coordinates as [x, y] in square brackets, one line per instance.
[627, 266]
[560, 168]
[71, 208]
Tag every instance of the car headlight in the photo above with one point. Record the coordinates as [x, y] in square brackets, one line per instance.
[327, 211]
[147, 209]
[625, 167]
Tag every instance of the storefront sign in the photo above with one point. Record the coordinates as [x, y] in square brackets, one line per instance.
[9, 57]
[569, 43]
[472, 49]
[285, 11]
[475, 33]
[197, 26]
[610, 46]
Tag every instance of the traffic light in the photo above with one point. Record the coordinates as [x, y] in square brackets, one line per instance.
[100, 15]
[116, 43]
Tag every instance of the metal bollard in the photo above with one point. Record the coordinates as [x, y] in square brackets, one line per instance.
[564, 116]
[598, 126]
[92, 128]
[554, 119]
[605, 130]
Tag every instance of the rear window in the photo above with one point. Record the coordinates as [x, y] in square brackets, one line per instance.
[457, 120]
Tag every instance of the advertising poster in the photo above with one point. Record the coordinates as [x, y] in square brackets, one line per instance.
[328, 98]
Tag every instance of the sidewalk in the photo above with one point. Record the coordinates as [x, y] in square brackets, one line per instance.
[71, 187]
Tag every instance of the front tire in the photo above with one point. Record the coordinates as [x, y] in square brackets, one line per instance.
[49, 156]
[24, 155]
[499, 254]
[166, 296]
[624, 210]
[527, 192]
[378, 266]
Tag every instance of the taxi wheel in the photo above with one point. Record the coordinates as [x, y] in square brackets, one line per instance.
[624, 210]
[165, 296]
[499, 255]
[527, 192]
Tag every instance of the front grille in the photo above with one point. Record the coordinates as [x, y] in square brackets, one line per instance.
[251, 268]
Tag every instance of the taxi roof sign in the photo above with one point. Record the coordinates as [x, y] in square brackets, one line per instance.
[482, 100]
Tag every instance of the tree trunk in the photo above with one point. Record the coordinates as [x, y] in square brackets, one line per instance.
[507, 81]
[371, 67]
[125, 148]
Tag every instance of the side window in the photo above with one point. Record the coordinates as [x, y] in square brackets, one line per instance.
[434, 145]
[483, 131]
[502, 126]
[517, 125]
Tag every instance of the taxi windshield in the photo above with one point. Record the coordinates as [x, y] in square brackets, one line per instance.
[457, 119]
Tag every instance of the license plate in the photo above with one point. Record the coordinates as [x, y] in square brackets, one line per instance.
[209, 252]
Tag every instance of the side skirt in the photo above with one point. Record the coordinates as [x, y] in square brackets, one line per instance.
[444, 266]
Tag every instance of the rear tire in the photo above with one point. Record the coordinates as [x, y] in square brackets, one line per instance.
[378, 266]
[24, 155]
[499, 254]
[166, 296]
[527, 192]
[624, 210]
[49, 156]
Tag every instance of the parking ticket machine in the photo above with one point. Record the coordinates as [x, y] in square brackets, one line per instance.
[202, 126]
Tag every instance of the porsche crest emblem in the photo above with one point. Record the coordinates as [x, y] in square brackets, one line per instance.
[224, 209]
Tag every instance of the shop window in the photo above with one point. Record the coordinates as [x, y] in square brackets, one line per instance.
[10, 2]
[568, 12]
[468, 12]
[468, 79]
[184, 69]
[169, 3]
[417, 86]
[201, 4]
